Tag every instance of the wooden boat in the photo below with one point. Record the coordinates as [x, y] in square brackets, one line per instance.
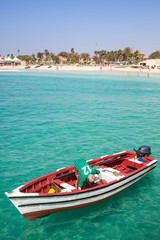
[37, 66]
[119, 171]
[27, 67]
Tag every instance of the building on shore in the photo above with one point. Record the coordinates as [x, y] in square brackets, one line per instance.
[8, 61]
[151, 63]
[62, 60]
[89, 60]
[2, 60]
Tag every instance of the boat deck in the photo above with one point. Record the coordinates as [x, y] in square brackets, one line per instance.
[64, 180]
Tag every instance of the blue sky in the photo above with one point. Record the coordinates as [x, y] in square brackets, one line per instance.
[36, 25]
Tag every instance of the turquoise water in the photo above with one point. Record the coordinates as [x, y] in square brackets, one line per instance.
[48, 120]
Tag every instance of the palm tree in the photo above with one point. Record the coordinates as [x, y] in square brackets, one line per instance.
[84, 56]
[120, 55]
[136, 56]
[33, 58]
[115, 56]
[96, 52]
[96, 59]
[102, 54]
[127, 51]
[63, 54]
[72, 51]
[76, 56]
[46, 53]
[56, 59]
[39, 56]
[155, 55]
[51, 56]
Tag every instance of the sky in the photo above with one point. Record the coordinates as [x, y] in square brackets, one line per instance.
[85, 25]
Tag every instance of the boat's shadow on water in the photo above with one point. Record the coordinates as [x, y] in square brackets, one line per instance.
[119, 204]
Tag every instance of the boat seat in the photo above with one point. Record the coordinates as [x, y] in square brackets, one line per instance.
[108, 174]
[64, 185]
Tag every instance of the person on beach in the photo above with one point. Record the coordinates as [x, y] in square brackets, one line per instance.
[87, 176]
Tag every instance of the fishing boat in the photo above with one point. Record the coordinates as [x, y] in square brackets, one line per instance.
[37, 66]
[27, 67]
[57, 192]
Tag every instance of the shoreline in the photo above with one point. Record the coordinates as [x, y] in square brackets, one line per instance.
[84, 69]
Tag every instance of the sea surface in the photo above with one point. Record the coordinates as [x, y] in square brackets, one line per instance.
[48, 120]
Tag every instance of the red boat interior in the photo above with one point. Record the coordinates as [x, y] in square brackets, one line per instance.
[122, 164]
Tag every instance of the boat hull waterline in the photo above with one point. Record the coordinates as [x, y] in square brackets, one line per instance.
[36, 205]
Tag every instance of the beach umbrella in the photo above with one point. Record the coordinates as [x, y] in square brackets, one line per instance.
[15, 59]
[8, 59]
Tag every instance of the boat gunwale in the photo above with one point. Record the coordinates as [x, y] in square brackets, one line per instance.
[61, 170]
[80, 192]
[87, 197]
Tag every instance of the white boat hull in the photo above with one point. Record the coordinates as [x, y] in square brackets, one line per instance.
[34, 206]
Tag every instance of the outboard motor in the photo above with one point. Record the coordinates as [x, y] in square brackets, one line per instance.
[143, 151]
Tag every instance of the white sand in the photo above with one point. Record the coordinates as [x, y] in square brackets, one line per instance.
[72, 68]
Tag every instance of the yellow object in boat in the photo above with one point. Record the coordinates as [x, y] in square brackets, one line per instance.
[51, 190]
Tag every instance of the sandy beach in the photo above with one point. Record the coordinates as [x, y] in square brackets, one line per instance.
[83, 69]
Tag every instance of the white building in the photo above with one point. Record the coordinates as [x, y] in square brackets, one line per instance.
[151, 63]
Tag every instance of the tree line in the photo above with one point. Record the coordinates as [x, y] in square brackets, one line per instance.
[100, 57]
